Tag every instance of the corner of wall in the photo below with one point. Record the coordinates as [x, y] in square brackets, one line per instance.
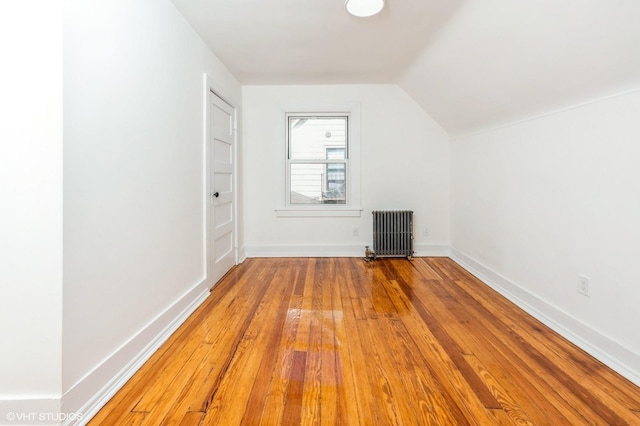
[242, 254]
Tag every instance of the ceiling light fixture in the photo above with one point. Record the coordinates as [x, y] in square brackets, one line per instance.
[364, 8]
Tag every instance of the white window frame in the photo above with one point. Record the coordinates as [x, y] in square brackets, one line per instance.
[352, 207]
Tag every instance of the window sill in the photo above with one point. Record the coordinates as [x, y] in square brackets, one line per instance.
[315, 212]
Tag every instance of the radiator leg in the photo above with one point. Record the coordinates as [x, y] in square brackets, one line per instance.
[369, 254]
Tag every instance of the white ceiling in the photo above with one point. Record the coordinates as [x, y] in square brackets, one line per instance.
[470, 64]
[314, 41]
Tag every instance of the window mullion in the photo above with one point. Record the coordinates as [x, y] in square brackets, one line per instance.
[299, 161]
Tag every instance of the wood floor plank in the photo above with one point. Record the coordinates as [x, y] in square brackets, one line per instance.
[510, 354]
[378, 377]
[508, 404]
[454, 397]
[274, 403]
[340, 341]
[606, 405]
[231, 398]
[367, 408]
[395, 360]
[433, 293]
[173, 378]
[222, 341]
[330, 377]
[191, 418]
[525, 386]
[264, 375]
[424, 390]
[293, 406]
[450, 316]
[134, 419]
[348, 408]
[312, 391]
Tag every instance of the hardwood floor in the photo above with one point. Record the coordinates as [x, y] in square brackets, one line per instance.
[345, 342]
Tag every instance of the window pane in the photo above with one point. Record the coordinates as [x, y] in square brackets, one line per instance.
[318, 183]
[312, 138]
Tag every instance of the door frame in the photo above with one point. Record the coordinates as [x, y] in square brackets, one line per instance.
[214, 88]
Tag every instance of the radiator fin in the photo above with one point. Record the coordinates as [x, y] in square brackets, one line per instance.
[393, 233]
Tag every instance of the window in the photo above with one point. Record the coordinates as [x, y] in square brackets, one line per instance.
[322, 167]
[317, 159]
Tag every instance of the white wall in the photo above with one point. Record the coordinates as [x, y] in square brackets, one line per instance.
[536, 204]
[30, 206]
[133, 182]
[405, 164]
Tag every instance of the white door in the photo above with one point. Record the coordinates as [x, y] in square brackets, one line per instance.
[221, 142]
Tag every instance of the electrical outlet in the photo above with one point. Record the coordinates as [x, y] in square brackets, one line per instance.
[583, 285]
[356, 231]
[425, 232]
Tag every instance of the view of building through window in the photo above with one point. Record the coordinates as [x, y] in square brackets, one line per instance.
[317, 159]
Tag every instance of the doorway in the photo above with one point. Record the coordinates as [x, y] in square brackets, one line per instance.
[221, 222]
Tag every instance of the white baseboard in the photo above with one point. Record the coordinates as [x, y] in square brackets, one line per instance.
[343, 250]
[338, 250]
[43, 410]
[616, 356]
[94, 390]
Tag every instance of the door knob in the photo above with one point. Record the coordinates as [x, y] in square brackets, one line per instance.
[216, 194]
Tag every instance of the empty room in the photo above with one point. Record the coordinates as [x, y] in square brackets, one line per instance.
[361, 212]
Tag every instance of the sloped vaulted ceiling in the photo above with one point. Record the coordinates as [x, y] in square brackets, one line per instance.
[499, 61]
[470, 64]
